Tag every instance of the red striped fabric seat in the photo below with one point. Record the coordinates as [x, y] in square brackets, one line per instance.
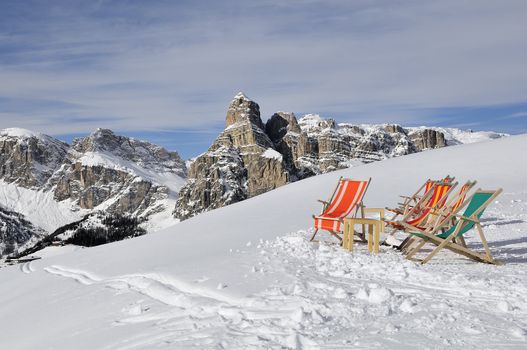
[437, 200]
[348, 195]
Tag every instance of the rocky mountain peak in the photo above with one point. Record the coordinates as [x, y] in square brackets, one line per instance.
[28, 158]
[314, 123]
[393, 128]
[141, 152]
[243, 110]
[99, 140]
[19, 133]
[280, 124]
[241, 163]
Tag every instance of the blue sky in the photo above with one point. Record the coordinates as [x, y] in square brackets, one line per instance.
[166, 70]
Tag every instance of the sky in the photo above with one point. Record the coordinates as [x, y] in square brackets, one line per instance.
[166, 71]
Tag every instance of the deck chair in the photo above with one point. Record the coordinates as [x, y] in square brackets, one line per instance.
[427, 206]
[345, 201]
[474, 208]
[436, 215]
[409, 202]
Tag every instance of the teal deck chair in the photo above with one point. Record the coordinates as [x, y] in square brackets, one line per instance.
[446, 237]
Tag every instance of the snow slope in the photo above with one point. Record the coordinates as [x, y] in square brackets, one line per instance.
[455, 136]
[39, 206]
[245, 276]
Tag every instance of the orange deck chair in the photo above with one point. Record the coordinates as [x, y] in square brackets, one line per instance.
[346, 199]
[434, 199]
[410, 201]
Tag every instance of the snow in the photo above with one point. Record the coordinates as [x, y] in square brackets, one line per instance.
[272, 154]
[39, 207]
[241, 95]
[19, 133]
[169, 179]
[455, 136]
[282, 291]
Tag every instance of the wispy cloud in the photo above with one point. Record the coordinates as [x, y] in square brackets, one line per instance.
[135, 65]
[516, 115]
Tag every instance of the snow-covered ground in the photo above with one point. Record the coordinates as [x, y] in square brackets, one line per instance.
[246, 276]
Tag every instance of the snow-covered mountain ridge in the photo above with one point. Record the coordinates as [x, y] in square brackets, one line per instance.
[52, 183]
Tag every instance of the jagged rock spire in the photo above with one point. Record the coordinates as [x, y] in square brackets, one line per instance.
[243, 109]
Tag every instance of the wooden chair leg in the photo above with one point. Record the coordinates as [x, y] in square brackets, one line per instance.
[370, 238]
[407, 242]
[437, 249]
[461, 241]
[484, 241]
[414, 251]
[376, 238]
[314, 234]
[403, 244]
[414, 242]
[352, 237]
[336, 236]
[362, 214]
[346, 236]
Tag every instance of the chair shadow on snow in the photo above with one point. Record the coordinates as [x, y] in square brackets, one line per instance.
[496, 222]
[507, 250]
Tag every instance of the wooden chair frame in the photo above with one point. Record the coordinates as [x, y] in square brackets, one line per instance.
[360, 208]
[422, 205]
[416, 199]
[438, 215]
[429, 236]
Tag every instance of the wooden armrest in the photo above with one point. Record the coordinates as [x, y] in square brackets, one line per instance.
[321, 201]
[380, 211]
[372, 209]
[406, 197]
[325, 218]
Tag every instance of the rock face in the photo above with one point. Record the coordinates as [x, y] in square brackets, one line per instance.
[123, 174]
[29, 159]
[241, 163]
[102, 171]
[427, 139]
[249, 158]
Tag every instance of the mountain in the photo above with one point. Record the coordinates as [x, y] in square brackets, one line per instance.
[53, 183]
[119, 174]
[241, 163]
[246, 276]
[16, 232]
[29, 159]
[249, 157]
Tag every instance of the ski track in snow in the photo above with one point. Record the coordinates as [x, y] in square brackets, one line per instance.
[338, 300]
[27, 267]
